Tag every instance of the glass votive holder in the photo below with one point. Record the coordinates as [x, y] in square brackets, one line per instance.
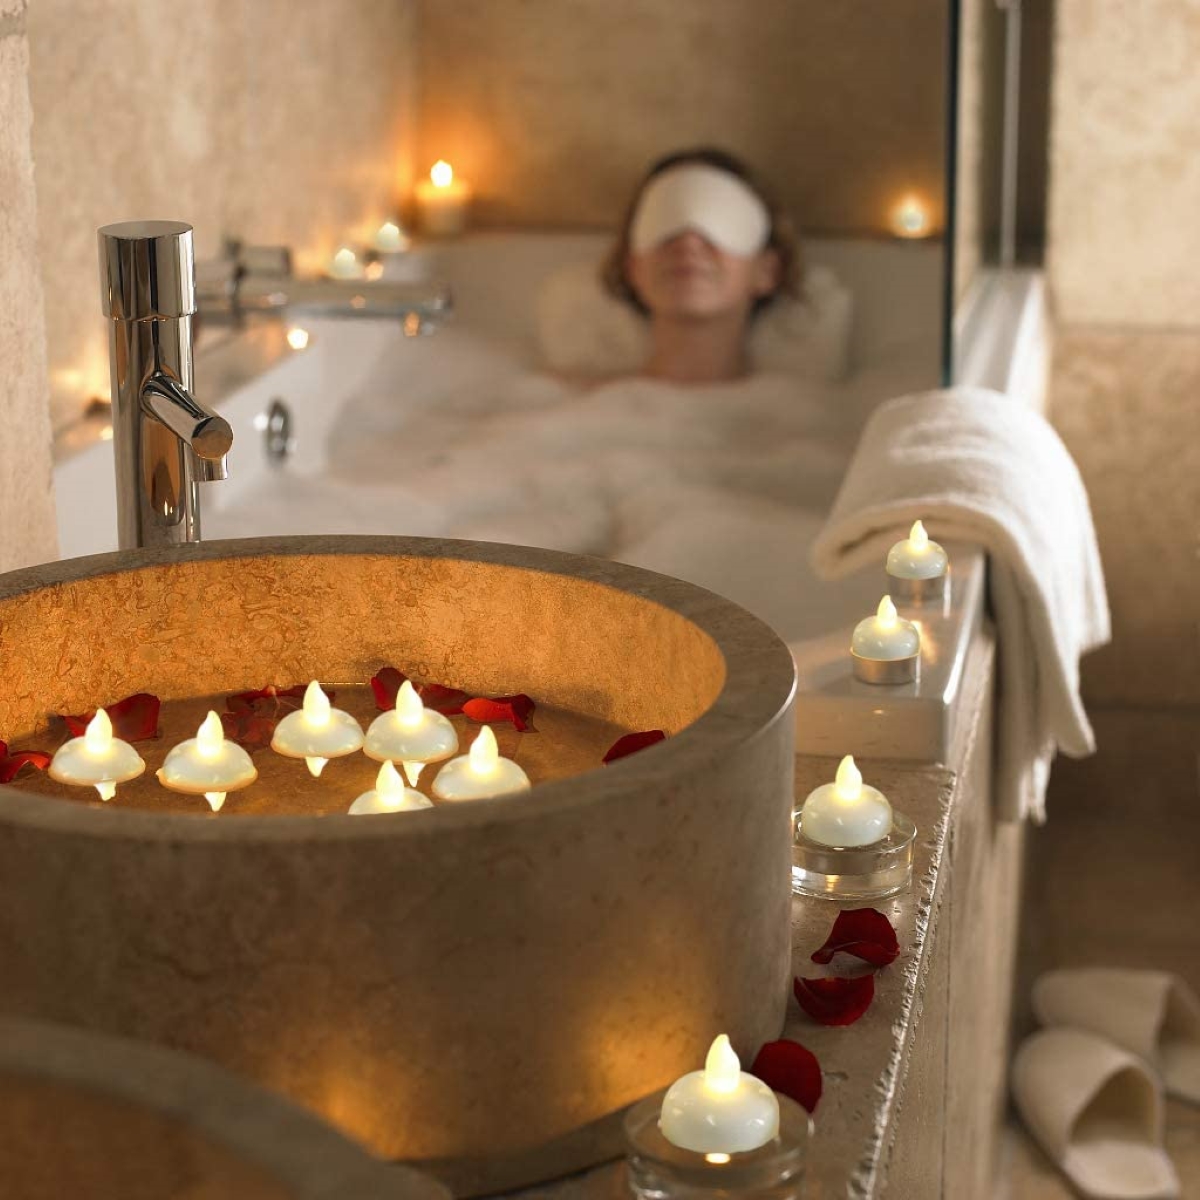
[853, 872]
[660, 1170]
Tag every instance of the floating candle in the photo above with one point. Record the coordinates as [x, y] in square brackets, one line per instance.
[721, 1110]
[411, 734]
[917, 557]
[318, 732]
[389, 795]
[390, 239]
[480, 773]
[208, 765]
[846, 812]
[442, 201]
[97, 759]
[345, 264]
[886, 635]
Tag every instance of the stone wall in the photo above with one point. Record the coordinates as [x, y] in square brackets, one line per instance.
[552, 109]
[272, 121]
[26, 500]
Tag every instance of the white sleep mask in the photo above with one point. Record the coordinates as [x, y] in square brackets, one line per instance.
[696, 196]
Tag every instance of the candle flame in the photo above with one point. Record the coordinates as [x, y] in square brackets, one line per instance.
[215, 800]
[413, 771]
[484, 753]
[918, 536]
[210, 737]
[717, 1158]
[409, 708]
[441, 174]
[98, 736]
[848, 780]
[297, 338]
[316, 766]
[316, 705]
[107, 790]
[910, 217]
[388, 782]
[722, 1069]
[886, 613]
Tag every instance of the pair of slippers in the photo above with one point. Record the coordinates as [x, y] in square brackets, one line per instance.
[1090, 1084]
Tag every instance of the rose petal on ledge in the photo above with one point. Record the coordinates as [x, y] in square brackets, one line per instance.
[494, 710]
[446, 700]
[631, 743]
[385, 683]
[791, 1069]
[863, 932]
[835, 1001]
[11, 764]
[134, 719]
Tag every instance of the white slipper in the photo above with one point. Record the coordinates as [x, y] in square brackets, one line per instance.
[1097, 1112]
[1150, 1013]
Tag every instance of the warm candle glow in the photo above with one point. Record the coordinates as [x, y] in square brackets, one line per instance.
[918, 536]
[389, 785]
[316, 706]
[722, 1069]
[849, 780]
[409, 708]
[210, 737]
[484, 753]
[886, 613]
[910, 217]
[98, 735]
[441, 174]
[297, 338]
[345, 263]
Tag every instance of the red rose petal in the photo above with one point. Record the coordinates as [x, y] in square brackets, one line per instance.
[835, 1001]
[134, 719]
[385, 683]
[790, 1069]
[11, 764]
[248, 729]
[446, 700]
[631, 743]
[269, 699]
[864, 932]
[491, 711]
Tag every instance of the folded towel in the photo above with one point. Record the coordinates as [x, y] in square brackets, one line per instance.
[979, 466]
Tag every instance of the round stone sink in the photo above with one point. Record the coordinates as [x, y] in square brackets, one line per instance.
[479, 987]
[93, 1117]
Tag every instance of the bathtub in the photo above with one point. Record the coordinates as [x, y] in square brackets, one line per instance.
[754, 556]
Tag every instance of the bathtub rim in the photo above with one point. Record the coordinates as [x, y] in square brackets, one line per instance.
[759, 689]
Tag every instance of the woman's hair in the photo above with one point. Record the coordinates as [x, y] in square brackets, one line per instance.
[781, 239]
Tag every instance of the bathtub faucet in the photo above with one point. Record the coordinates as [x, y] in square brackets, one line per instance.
[165, 441]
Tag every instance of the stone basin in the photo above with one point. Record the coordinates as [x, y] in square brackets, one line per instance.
[481, 988]
[94, 1117]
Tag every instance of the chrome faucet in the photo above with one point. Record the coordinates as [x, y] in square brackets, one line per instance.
[164, 440]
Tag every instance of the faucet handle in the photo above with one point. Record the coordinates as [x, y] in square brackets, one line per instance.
[147, 270]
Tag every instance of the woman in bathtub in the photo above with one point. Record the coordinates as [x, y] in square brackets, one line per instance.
[702, 250]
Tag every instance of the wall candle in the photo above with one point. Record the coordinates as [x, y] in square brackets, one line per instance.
[442, 201]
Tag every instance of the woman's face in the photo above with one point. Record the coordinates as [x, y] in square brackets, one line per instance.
[687, 277]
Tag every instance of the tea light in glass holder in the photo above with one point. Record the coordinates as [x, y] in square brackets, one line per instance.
[849, 842]
[389, 795]
[442, 201]
[718, 1130]
[916, 568]
[208, 765]
[410, 734]
[885, 648]
[317, 732]
[98, 759]
[480, 773]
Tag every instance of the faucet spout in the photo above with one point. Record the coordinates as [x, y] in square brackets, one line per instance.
[207, 433]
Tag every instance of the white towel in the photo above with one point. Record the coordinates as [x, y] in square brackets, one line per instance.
[979, 466]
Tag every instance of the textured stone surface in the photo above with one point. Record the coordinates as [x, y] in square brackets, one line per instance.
[552, 109]
[1126, 406]
[1125, 178]
[89, 1116]
[271, 121]
[26, 499]
[471, 981]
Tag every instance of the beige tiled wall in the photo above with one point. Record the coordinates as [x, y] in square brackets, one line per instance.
[26, 504]
[274, 121]
[552, 109]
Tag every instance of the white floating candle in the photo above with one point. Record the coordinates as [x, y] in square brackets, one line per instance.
[720, 1110]
[345, 264]
[480, 773]
[411, 734]
[390, 238]
[886, 635]
[317, 732]
[208, 765]
[846, 812]
[917, 557]
[389, 795]
[97, 759]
